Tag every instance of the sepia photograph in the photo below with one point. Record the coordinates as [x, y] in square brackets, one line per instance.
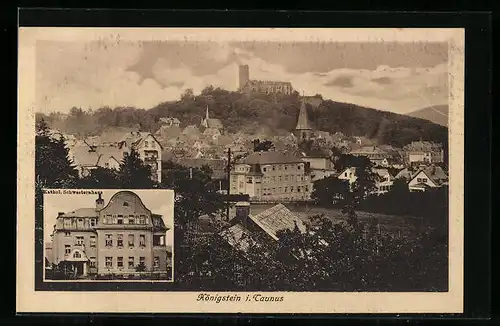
[284, 161]
[108, 234]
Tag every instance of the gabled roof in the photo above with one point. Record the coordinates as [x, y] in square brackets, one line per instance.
[169, 132]
[191, 129]
[277, 218]
[434, 173]
[238, 237]
[214, 123]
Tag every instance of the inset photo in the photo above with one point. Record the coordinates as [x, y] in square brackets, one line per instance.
[108, 235]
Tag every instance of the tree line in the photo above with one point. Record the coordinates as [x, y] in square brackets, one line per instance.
[255, 113]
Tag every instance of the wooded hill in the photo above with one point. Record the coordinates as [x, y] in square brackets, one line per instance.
[259, 114]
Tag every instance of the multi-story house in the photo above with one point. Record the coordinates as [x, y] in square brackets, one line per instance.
[376, 155]
[423, 152]
[149, 149]
[123, 237]
[109, 155]
[427, 177]
[271, 176]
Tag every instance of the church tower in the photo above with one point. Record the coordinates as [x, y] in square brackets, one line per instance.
[204, 121]
[303, 130]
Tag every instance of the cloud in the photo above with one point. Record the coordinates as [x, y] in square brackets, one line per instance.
[341, 81]
[98, 74]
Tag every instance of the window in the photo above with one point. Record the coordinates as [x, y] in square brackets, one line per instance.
[79, 241]
[242, 184]
[67, 223]
[131, 219]
[142, 240]
[120, 262]
[92, 222]
[298, 167]
[106, 165]
[130, 262]
[279, 189]
[92, 240]
[119, 220]
[142, 260]
[119, 240]
[125, 203]
[77, 254]
[109, 240]
[279, 178]
[345, 174]
[249, 180]
[108, 219]
[264, 169]
[274, 168]
[67, 249]
[146, 143]
[286, 167]
[131, 240]
[156, 262]
[424, 180]
[291, 189]
[419, 179]
[67, 234]
[109, 262]
[92, 262]
[298, 189]
[307, 188]
[142, 219]
[286, 189]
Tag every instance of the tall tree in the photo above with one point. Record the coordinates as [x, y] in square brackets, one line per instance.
[134, 173]
[330, 191]
[262, 146]
[101, 178]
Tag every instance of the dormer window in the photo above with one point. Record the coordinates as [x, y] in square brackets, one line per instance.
[125, 203]
[77, 255]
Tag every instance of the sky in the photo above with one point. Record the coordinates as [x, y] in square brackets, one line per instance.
[391, 76]
[156, 201]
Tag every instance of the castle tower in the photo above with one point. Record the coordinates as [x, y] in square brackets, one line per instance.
[244, 74]
[303, 130]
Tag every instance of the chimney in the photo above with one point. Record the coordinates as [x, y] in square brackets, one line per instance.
[242, 212]
[99, 203]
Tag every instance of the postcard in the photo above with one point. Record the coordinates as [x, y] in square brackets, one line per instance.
[233, 170]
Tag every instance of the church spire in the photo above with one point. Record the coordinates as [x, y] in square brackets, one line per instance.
[303, 121]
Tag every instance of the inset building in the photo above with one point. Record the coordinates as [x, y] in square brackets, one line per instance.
[121, 238]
